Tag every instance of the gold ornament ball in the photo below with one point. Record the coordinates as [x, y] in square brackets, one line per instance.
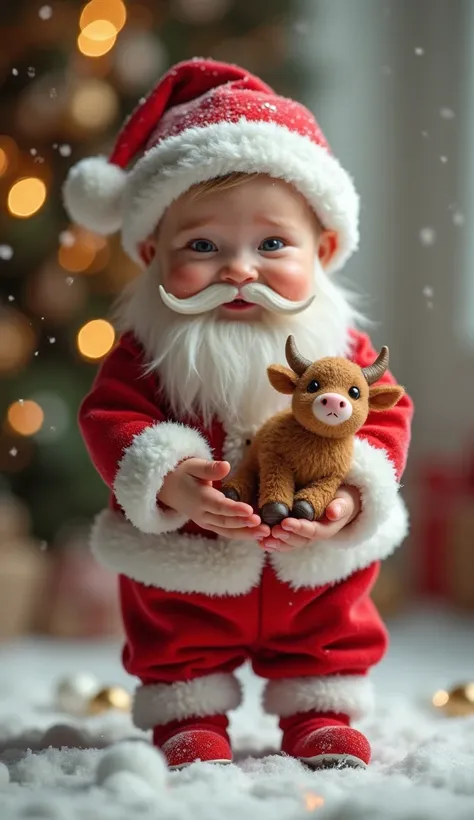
[457, 702]
[111, 697]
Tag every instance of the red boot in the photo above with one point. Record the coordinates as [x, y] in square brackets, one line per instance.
[186, 741]
[324, 741]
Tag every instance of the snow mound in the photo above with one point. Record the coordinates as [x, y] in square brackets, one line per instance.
[136, 758]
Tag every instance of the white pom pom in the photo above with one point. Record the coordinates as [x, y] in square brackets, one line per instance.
[93, 194]
[136, 757]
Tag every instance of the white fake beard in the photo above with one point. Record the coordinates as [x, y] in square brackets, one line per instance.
[213, 367]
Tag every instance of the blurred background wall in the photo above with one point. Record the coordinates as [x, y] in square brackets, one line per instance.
[392, 85]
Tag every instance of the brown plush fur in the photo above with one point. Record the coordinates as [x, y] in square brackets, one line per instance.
[297, 457]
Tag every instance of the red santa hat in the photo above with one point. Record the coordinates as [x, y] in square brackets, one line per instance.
[203, 120]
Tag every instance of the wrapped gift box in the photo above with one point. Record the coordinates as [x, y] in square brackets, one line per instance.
[83, 597]
[443, 542]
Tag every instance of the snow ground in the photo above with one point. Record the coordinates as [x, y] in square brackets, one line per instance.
[423, 763]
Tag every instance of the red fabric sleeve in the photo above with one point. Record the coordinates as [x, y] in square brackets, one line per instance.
[120, 405]
[391, 429]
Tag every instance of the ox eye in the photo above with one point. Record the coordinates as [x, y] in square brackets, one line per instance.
[354, 392]
[313, 386]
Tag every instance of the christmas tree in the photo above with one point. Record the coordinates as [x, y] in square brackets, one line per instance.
[70, 73]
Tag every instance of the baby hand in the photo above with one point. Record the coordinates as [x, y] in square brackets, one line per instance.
[189, 490]
[293, 533]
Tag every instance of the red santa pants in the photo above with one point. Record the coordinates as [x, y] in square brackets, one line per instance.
[314, 646]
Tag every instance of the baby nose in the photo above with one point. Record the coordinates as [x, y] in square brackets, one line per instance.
[239, 271]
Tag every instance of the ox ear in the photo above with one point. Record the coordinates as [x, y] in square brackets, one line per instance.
[385, 396]
[282, 379]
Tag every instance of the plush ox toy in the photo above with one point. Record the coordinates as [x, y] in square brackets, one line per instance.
[301, 456]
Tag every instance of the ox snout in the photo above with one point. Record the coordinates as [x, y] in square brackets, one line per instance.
[332, 408]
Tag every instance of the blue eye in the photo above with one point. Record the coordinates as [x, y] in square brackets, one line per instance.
[202, 246]
[272, 244]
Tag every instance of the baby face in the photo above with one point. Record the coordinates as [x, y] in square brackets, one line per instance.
[260, 231]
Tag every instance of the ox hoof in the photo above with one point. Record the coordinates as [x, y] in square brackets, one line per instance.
[273, 513]
[303, 509]
[229, 492]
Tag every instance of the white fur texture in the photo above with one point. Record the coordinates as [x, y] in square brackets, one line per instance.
[93, 194]
[157, 704]
[152, 455]
[218, 368]
[133, 756]
[349, 694]
[198, 154]
[380, 527]
[175, 561]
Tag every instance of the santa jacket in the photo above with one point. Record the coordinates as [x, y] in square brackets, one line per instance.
[134, 441]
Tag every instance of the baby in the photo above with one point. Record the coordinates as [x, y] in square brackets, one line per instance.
[239, 215]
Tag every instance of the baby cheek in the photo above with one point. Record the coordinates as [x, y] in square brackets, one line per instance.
[293, 281]
[187, 279]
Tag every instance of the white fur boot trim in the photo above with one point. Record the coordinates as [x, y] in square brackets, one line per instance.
[348, 694]
[159, 703]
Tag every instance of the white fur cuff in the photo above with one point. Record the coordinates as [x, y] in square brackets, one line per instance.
[151, 456]
[380, 527]
[348, 694]
[176, 561]
[159, 703]
[374, 475]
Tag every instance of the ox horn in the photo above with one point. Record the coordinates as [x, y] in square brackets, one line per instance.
[376, 370]
[294, 358]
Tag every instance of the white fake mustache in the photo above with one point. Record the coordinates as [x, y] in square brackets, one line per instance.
[216, 295]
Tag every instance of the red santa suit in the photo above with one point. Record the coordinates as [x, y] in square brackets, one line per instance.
[196, 606]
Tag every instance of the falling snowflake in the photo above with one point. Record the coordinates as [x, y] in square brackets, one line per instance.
[65, 150]
[6, 252]
[51, 339]
[424, 134]
[458, 219]
[33, 152]
[428, 292]
[15, 72]
[43, 546]
[447, 113]
[45, 12]
[69, 280]
[53, 93]
[39, 159]
[443, 158]
[419, 51]
[21, 401]
[31, 71]
[67, 239]
[13, 452]
[55, 145]
[36, 353]
[11, 298]
[427, 236]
